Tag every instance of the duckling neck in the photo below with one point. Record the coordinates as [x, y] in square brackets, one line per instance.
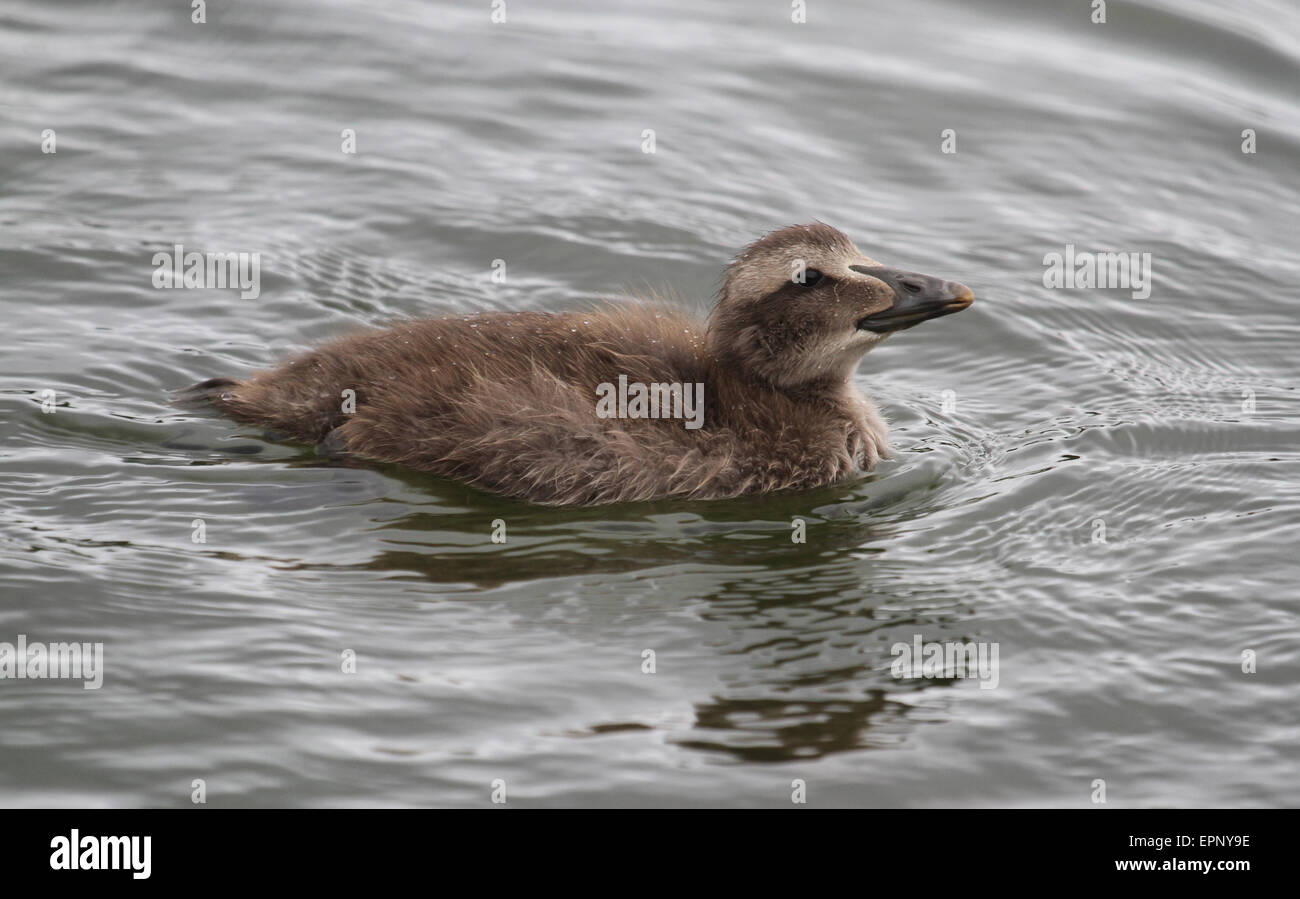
[827, 418]
[733, 383]
[747, 399]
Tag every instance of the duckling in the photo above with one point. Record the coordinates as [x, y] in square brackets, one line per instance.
[525, 404]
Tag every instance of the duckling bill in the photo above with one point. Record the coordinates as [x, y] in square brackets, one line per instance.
[509, 401]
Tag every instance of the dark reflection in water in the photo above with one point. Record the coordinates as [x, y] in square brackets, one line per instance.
[816, 678]
[807, 659]
[775, 730]
[565, 543]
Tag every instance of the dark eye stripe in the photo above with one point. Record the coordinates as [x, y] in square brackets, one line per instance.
[810, 278]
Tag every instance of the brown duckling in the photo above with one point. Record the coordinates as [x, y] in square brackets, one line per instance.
[631, 402]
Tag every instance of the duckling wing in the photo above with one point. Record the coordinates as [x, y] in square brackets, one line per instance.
[507, 402]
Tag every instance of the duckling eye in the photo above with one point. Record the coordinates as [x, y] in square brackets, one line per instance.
[810, 277]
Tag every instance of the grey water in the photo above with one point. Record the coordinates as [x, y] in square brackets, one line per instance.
[1102, 485]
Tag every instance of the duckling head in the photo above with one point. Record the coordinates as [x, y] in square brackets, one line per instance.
[801, 306]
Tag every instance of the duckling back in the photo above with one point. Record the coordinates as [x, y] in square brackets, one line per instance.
[506, 401]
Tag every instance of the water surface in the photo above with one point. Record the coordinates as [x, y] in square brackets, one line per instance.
[1022, 423]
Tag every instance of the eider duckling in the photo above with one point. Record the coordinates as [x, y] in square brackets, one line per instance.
[625, 403]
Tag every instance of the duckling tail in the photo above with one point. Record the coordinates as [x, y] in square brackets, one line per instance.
[204, 391]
